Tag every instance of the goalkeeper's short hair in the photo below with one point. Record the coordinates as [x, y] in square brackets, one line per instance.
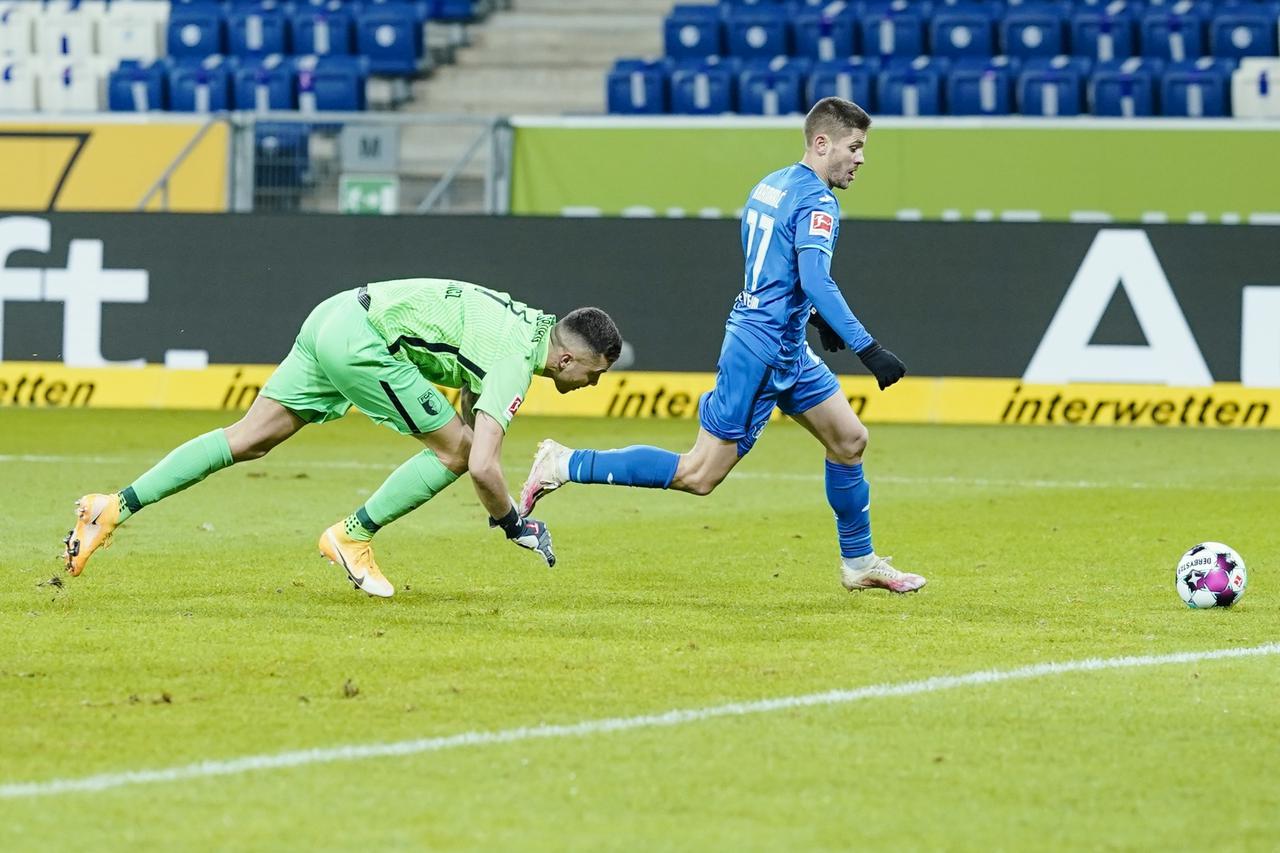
[596, 329]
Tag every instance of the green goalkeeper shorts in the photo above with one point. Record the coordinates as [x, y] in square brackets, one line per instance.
[339, 360]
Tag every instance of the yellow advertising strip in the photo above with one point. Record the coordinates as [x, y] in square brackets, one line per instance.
[85, 166]
[914, 400]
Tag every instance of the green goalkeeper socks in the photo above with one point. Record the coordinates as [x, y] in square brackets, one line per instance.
[409, 487]
[185, 466]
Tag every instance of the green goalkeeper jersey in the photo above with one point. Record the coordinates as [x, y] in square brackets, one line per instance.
[460, 334]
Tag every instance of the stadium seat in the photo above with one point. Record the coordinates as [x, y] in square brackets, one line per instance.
[693, 32]
[775, 88]
[195, 31]
[1125, 89]
[200, 87]
[974, 91]
[126, 34]
[1254, 88]
[321, 30]
[892, 33]
[911, 89]
[456, 11]
[257, 31]
[703, 88]
[265, 86]
[1197, 89]
[17, 86]
[16, 30]
[961, 34]
[1241, 31]
[853, 79]
[281, 155]
[1174, 33]
[760, 33]
[637, 87]
[138, 87]
[69, 87]
[1049, 92]
[1037, 31]
[825, 36]
[331, 83]
[390, 36]
[65, 35]
[1102, 35]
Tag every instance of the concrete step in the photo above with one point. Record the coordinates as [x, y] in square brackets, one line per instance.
[585, 56]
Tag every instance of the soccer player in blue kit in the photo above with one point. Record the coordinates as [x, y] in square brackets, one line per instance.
[789, 229]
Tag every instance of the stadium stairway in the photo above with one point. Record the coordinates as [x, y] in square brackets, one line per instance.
[541, 57]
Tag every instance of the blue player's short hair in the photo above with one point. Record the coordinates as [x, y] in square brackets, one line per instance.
[833, 114]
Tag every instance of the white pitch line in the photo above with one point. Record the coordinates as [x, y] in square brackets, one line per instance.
[906, 480]
[356, 752]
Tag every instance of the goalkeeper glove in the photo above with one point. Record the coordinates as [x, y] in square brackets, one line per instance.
[884, 365]
[527, 533]
[831, 342]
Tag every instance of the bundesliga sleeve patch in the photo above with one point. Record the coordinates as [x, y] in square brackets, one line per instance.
[820, 224]
[515, 405]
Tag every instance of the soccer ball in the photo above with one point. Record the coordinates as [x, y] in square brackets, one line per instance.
[1211, 575]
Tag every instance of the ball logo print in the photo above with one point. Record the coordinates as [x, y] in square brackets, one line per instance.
[1211, 575]
[820, 224]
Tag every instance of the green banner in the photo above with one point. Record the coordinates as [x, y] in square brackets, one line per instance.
[1017, 169]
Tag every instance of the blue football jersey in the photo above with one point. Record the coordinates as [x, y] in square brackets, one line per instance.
[790, 210]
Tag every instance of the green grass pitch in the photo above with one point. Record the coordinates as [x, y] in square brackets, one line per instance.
[212, 631]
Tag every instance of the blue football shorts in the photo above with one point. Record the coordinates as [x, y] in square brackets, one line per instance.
[747, 390]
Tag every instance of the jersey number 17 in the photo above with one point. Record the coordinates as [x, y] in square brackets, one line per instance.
[755, 220]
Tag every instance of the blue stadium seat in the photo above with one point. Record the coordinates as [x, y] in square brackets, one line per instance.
[1198, 89]
[138, 87]
[852, 78]
[322, 31]
[1037, 31]
[1171, 34]
[458, 11]
[824, 37]
[1102, 36]
[910, 90]
[704, 88]
[980, 91]
[1241, 31]
[775, 88]
[200, 87]
[637, 87]
[1125, 92]
[760, 33]
[268, 85]
[892, 33]
[257, 31]
[961, 34]
[1049, 92]
[390, 36]
[331, 83]
[693, 32]
[196, 31]
[281, 155]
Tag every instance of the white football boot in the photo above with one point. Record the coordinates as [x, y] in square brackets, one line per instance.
[550, 471]
[872, 572]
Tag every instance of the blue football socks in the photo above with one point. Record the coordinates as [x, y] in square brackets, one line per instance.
[850, 497]
[638, 465]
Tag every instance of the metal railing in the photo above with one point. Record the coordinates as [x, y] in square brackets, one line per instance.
[369, 162]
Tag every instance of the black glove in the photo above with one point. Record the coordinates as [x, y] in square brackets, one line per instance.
[527, 533]
[831, 342]
[884, 365]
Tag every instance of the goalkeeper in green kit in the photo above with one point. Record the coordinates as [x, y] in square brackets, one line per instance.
[383, 348]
